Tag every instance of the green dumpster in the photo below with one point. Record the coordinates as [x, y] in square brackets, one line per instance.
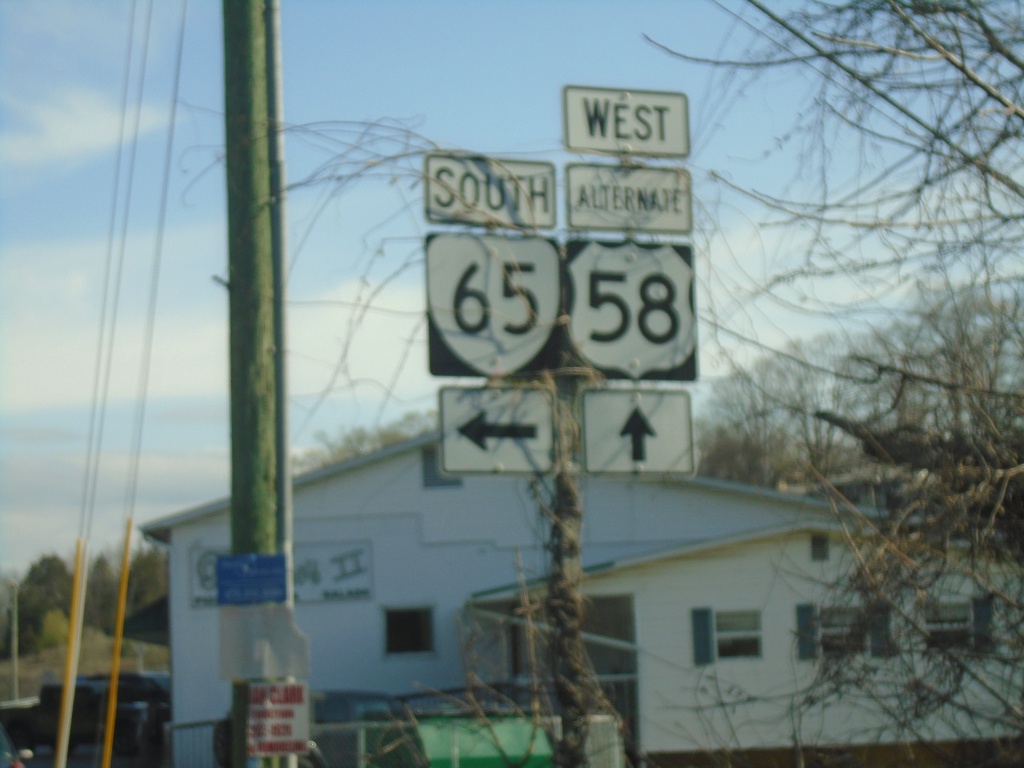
[493, 742]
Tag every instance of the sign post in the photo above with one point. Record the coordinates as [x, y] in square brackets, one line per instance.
[498, 306]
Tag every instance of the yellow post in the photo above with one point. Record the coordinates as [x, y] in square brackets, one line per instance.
[115, 662]
[67, 699]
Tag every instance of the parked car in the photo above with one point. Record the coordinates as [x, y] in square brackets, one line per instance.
[9, 756]
[150, 688]
[38, 722]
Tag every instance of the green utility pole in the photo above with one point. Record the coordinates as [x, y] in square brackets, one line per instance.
[250, 283]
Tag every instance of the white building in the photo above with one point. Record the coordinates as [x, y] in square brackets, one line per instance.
[706, 599]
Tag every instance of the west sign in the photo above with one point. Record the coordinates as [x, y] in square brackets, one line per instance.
[486, 191]
[619, 122]
[618, 198]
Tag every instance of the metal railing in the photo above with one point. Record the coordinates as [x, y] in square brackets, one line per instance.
[189, 745]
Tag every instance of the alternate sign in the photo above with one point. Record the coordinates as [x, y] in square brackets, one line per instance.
[492, 303]
[278, 722]
[628, 199]
[496, 430]
[625, 122]
[471, 189]
[631, 310]
[637, 431]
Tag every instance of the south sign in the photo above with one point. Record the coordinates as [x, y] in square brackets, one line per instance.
[489, 192]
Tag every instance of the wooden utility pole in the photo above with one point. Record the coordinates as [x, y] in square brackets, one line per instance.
[572, 680]
[250, 283]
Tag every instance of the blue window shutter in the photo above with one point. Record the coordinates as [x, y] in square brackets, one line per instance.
[702, 651]
[430, 462]
[806, 632]
[880, 636]
[982, 609]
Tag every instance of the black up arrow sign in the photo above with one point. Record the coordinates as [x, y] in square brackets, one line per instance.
[478, 430]
[638, 428]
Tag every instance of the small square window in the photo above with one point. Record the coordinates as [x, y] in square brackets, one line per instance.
[737, 634]
[948, 625]
[432, 476]
[409, 630]
[839, 631]
[819, 547]
[843, 631]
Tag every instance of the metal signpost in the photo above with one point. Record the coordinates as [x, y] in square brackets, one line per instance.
[500, 306]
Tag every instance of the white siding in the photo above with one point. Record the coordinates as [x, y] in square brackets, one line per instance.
[742, 703]
[435, 547]
[731, 702]
[199, 693]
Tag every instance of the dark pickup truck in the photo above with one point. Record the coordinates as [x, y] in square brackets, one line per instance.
[143, 706]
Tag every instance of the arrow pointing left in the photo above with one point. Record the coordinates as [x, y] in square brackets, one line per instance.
[478, 430]
[496, 429]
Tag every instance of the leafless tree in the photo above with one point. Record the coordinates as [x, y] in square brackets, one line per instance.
[902, 226]
[760, 426]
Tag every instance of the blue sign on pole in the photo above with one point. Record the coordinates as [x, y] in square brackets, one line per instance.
[249, 579]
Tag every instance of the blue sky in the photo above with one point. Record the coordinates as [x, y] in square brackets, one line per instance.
[385, 76]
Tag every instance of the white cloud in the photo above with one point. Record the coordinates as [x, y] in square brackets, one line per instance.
[50, 297]
[69, 126]
[42, 500]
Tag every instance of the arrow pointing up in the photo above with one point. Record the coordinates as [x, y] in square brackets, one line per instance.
[638, 428]
[478, 430]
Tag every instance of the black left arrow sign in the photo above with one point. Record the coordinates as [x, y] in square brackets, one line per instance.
[478, 429]
[638, 428]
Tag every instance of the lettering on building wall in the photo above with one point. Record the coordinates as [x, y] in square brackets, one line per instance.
[322, 572]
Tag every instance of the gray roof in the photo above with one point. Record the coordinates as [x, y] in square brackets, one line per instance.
[160, 529]
[696, 546]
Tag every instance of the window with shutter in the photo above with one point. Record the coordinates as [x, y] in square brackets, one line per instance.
[725, 635]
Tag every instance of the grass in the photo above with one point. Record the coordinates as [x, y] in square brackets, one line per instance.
[95, 658]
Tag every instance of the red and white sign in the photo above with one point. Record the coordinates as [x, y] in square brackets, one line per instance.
[278, 719]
